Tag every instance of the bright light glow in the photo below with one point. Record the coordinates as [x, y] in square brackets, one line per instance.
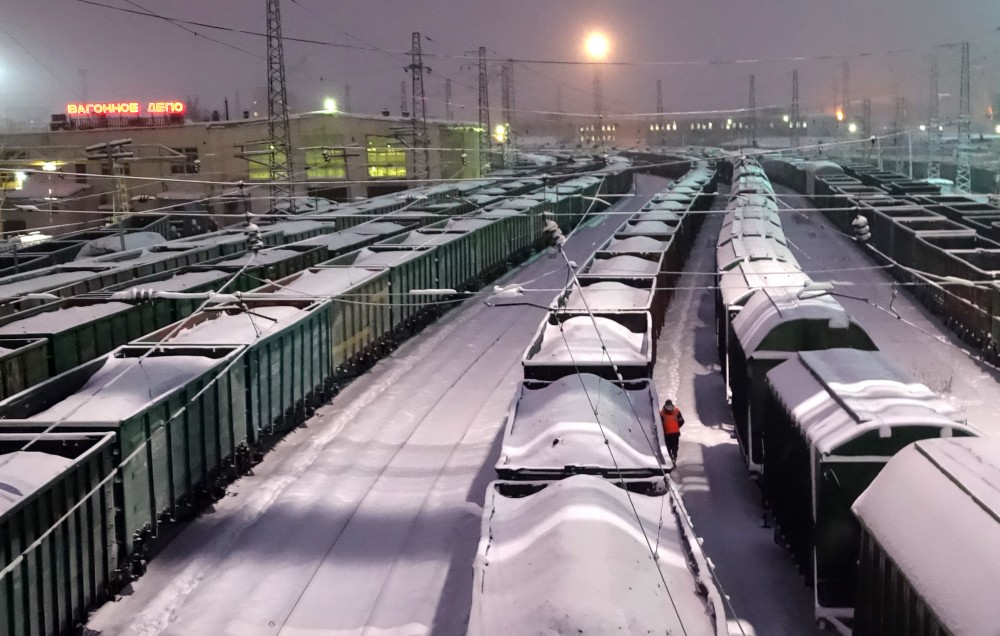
[597, 45]
[997, 129]
[922, 128]
[852, 127]
[50, 166]
[330, 105]
[940, 128]
[840, 114]
[19, 178]
[500, 133]
[785, 118]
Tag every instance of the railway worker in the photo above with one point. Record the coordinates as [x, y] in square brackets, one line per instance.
[672, 423]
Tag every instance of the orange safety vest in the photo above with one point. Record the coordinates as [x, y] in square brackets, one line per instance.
[671, 421]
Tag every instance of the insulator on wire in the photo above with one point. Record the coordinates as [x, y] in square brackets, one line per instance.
[862, 233]
[254, 241]
[553, 235]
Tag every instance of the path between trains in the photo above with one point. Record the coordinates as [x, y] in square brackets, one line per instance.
[366, 519]
[765, 590]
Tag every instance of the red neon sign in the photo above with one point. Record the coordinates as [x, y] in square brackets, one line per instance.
[106, 109]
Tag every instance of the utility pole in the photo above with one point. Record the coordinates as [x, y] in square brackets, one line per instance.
[659, 110]
[421, 140]
[795, 109]
[753, 111]
[598, 93]
[404, 103]
[866, 117]
[448, 113]
[963, 177]
[900, 124]
[845, 87]
[280, 146]
[484, 112]
[933, 125]
[112, 155]
[507, 109]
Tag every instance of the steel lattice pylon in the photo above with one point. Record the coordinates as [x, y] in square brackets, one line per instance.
[963, 176]
[934, 134]
[421, 140]
[507, 108]
[661, 125]
[280, 156]
[484, 113]
[795, 109]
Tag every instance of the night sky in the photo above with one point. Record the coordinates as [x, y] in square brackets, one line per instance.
[133, 57]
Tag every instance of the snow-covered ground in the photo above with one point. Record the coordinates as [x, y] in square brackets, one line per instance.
[759, 576]
[366, 519]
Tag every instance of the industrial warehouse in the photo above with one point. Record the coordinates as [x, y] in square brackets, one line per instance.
[494, 320]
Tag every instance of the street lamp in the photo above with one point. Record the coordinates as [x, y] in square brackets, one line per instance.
[597, 46]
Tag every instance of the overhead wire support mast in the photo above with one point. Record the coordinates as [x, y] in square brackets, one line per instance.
[963, 175]
[752, 107]
[421, 140]
[795, 109]
[279, 157]
[507, 109]
[484, 113]
[933, 125]
[660, 122]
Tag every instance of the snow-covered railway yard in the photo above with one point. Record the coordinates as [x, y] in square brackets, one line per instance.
[366, 519]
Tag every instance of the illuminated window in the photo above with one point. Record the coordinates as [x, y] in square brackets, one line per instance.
[326, 163]
[386, 158]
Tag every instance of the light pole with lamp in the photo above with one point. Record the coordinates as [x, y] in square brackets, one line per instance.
[597, 46]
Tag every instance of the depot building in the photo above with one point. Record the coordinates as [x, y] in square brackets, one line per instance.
[48, 175]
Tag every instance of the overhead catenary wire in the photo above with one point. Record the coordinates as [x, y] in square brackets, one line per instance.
[539, 61]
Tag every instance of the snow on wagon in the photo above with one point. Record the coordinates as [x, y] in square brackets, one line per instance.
[930, 542]
[573, 559]
[552, 431]
[834, 418]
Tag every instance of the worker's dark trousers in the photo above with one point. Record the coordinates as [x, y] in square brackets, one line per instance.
[673, 442]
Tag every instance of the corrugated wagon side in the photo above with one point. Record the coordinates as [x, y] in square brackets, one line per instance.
[288, 361]
[57, 542]
[179, 419]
